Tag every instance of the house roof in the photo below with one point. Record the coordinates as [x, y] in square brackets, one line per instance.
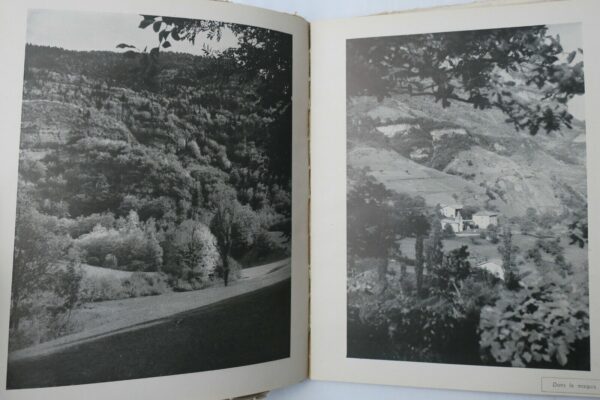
[455, 206]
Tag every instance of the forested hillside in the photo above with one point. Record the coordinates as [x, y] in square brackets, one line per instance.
[173, 166]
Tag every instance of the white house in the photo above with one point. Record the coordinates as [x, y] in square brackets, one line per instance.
[450, 210]
[483, 219]
[455, 223]
[452, 217]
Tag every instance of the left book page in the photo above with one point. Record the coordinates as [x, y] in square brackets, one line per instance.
[154, 200]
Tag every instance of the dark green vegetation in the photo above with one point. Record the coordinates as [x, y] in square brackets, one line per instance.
[438, 119]
[244, 330]
[173, 167]
[468, 67]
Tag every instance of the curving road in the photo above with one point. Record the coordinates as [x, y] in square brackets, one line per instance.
[215, 328]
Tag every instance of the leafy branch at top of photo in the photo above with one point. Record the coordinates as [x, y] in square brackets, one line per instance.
[522, 71]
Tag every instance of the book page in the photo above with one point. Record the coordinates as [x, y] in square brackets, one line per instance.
[453, 217]
[155, 200]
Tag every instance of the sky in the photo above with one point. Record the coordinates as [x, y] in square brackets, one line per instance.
[78, 30]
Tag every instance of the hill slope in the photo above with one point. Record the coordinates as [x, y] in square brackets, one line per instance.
[472, 156]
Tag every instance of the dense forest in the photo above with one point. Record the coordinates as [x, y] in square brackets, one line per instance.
[172, 167]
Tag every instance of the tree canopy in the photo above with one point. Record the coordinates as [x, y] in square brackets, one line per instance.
[485, 68]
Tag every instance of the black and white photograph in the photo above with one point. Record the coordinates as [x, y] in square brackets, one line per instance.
[467, 211]
[154, 211]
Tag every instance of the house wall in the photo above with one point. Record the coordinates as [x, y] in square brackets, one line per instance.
[484, 220]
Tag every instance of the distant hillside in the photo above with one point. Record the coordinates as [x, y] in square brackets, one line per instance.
[462, 154]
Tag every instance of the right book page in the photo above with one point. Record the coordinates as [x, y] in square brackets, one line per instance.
[454, 202]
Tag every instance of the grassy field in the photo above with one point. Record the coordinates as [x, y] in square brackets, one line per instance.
[244, 330]
[483, 249]
[574, 254]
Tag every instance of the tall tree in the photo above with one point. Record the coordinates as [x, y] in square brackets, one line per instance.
[508, 252]
[419, 262]
[37, 249]
[434, 247]
[454, 269]
[371, 229]
[224, 208]
[412, 222]
[233, 225]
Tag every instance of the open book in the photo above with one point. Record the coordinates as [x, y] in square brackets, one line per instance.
[181, 219]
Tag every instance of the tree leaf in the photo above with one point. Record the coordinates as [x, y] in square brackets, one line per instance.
[571, 56]
[156, 26]
[125, 46]
[162, 35]
[145, 22]
[166, 44]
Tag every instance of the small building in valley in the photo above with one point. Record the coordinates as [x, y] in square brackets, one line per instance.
[450, 210]
[483, 219]
[452, 217]
[455, 223]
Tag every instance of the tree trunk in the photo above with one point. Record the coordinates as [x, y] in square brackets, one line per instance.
[14, 312]
[382, 269]
[419, 261]
[226, 270]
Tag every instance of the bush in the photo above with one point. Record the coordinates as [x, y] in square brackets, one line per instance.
[46, 320]
[268, 246]
[448, 232]
[191, 255]
[101, 289]
[140, 284]
[114, 288]
[235, 270]
[439, 327]
[82, 225]
[134, 245]
[534, 326]
[110, 261]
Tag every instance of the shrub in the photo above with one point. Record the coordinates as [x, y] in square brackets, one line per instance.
[134, 245]
[114, 288]
[191, 255]
[536, 325]
[46, 319]
[82, 225]
[235, 270]
[441, 327]
[110, 261]
[141, 284]
[267, 245]
[448, 232]
[244, 230]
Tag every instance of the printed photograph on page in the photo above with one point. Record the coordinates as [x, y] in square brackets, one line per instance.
[467, 223]
[153, 219]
